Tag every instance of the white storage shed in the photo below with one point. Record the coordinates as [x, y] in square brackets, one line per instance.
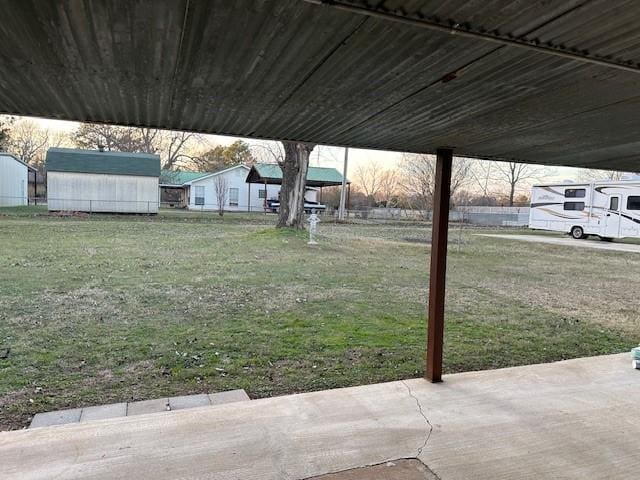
[14, 181]
[97, 181]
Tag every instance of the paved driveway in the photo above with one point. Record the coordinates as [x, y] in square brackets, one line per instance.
[570, 242]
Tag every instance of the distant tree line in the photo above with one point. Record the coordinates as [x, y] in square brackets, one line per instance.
[409, 185]
[178, 150]
[24, 138]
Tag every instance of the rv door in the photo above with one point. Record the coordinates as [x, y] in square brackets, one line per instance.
[612, 218]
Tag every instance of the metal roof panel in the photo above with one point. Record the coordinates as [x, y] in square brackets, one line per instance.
[97, 162]
[533, 81]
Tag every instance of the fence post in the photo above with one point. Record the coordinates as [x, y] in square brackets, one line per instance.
[90, 207]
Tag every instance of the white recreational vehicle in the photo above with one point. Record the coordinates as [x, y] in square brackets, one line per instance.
[608, 209]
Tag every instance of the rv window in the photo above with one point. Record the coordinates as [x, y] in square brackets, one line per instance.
[614, 204]
[574, 206]
[633, 203]
[574, 193]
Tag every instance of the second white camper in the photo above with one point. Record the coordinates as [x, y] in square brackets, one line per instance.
[607, 209]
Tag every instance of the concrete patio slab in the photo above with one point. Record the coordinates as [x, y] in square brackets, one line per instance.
[568, 242]
[189, 401]
[572, 420]
[397, 470]
[229, 396]
[100, 412]
[148, 406]
[59, 417]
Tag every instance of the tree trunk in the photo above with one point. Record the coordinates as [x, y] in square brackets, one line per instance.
[294, 180]
[512, 193]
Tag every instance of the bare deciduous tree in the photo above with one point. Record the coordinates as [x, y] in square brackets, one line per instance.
[221, 187]
[28, 141]
[418, 176]
[108, 137]
[514, 174]
[171, 146]
[481, 175]
[148, 140]
[268, 152]
[368, 177]
[5, 131]
[389, 186]
[168, 144]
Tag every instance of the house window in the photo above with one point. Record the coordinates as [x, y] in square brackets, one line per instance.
[633, 203]
[262, 194]
[579, 206]
[234, 194]
[199, 194]
[574, 193]
[613, 205]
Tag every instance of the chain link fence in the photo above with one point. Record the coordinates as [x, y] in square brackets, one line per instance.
[468, 215]
[481, 216]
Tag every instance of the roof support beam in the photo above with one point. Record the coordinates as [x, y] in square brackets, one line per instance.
[439, 234]
[460, 30]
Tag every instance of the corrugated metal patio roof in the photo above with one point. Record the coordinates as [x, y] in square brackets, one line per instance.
[174, 177]
[316, 176]
[533, 81]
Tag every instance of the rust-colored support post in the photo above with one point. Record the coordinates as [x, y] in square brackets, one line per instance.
[439, 231]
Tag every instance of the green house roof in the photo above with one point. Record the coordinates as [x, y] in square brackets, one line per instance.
[173, 177]
[110, 163]
[316, 176]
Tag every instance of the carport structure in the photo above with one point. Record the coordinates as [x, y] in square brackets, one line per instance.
[531, 81]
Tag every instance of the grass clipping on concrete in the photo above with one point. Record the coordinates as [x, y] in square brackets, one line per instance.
[112, 309]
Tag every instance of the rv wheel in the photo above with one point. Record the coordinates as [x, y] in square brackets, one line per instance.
[577, 233]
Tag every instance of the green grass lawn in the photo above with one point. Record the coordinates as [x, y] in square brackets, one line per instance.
[111, 309]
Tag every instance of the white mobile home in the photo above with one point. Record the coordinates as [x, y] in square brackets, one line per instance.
[14, 181]
[97, 181]
[607, 209]
[240, 195]
[254, 189]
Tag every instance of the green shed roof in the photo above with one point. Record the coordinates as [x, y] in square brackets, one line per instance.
[316, 176]
[174, 177]
[110, 163]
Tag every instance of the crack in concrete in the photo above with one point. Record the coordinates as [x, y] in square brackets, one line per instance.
[419, 405]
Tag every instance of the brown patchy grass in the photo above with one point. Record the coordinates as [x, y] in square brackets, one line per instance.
[128, 308]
